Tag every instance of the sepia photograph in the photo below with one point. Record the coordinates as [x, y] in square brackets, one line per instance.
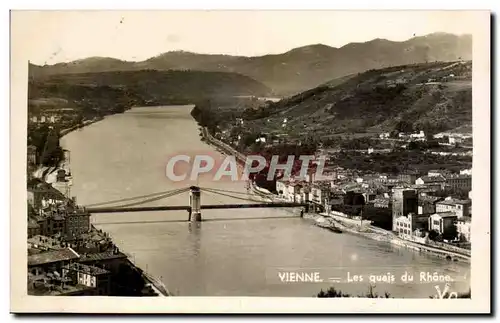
[267, 154]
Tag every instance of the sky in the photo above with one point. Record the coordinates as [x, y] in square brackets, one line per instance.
[62, 36]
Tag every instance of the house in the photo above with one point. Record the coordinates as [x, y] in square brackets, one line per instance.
[460, 208]
[438, 172]
[427, 204]
[420, 136]
[320, 192]
[291, 191]
[52, 260]
[404, 201]
[431, 181]
[33, 227]
[459, 182]
[384, 135]
[466, 172]
[32, 154]
[406, 225]
[444, 224]
[44, 243]
[77, 222]
[407, 177]
[336, 197]
[369, 196]
[281, 187]
[42, 194]
[455, 140]
[90, 276]
[383, 203]
[463, 228]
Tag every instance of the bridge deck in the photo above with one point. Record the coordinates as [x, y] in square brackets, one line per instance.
[187, 208]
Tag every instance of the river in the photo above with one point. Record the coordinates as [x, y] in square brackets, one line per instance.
[233, 252]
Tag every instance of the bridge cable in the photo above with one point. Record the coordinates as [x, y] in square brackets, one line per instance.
[134, 198]
[154, 199]
[225, 191]
[235, 197]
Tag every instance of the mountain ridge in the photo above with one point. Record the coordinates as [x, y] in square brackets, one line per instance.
[293, 71]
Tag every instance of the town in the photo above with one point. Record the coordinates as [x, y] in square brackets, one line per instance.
[67, 255]
[427, 208]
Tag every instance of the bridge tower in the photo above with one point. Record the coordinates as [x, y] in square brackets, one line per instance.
[195, 204]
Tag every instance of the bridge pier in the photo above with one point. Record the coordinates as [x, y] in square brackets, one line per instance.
[195, 204]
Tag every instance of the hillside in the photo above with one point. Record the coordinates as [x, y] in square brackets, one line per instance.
[162, 86]
[296, 70]
[432, 97]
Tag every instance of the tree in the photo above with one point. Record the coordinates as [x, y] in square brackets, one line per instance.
[433, 234]
[333, 293]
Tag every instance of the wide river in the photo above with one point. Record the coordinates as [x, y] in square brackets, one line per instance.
[233, 252]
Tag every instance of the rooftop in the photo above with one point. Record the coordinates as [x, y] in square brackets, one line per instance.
[458, 176]
[446, 214]
[32, 223]
[432, 179]
[455, 202]
[40, 240]
[52, 256]
[87, 269]
[46, 289]
[107, 255]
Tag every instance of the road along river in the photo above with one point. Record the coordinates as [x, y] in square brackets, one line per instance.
[249, 252]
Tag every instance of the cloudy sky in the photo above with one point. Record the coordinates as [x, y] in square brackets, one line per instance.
[61, 36]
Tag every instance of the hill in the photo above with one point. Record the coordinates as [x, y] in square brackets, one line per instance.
[97, 94]
[164, 86]
[296, 70]
[432, 97]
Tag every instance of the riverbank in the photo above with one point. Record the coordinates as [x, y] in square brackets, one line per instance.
[48, 173]
[152, 285]
[342, 221]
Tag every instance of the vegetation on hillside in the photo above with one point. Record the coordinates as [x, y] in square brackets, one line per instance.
[399, 161]
[431, 97]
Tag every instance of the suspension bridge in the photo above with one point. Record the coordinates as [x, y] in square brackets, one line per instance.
[135, 204]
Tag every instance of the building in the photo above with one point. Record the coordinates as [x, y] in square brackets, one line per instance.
[466, 172]
[427, 204]
[463, 228]
[77, 222]
[33, 227]
[437, 182]
[404, 201]
[90, 276]
[369, 196]
[461, 208]
[405, 226]
[419, 136]
[407, 178]
[383, 203]
[459, 182]
[438, 172]
[50, 261]
[43, 243]
[61, 184]
[444, 224]
[32, 154]
[110, 260]
[42, 194]
[320, 193]
[281, 187]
